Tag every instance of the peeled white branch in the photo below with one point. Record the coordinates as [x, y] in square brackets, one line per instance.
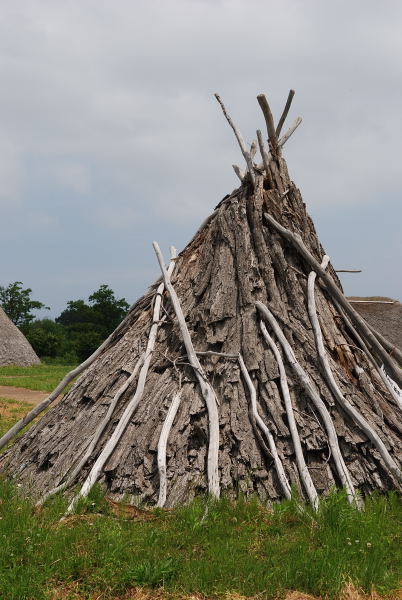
[289, 132]
[317, 401]
[239, 172]
[162, 445]
[333, 289]
[357, 417]
[132, 404]
[271, 442]
[239, 137]
[301, 464]
[206, 388]
[91, 447]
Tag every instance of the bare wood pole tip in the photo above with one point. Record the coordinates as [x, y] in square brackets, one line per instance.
[269, 120]
[263, 152]
[239, 137]
[285, 113]
[239, 172]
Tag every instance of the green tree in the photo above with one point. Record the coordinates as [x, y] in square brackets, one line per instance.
[87, 325]
[49, 339]
[17, 303]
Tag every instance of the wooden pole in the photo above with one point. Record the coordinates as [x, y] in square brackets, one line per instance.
[285, 113]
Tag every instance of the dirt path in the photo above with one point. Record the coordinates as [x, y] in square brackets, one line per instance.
[22, 394]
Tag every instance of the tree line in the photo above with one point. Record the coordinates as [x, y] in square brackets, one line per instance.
[75, 333]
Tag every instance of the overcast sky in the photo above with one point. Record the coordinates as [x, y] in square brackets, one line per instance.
[110, 135]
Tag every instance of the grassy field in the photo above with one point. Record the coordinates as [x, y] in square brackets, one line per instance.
[208, 549]
[38, 377]
[219, 550]
[10, 412]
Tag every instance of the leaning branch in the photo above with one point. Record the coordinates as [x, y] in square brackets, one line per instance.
[72, 476]
[240, 140]
[271, 443]
[162, 445]
[360, 323]
[285, 113]
[29, 417]
[357, 417]
[131, 406]
[301, 463]
[317, 401]
[206, 388]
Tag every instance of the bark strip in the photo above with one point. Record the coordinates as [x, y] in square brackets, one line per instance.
[269, 437]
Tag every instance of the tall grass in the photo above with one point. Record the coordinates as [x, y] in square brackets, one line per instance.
[205, 547]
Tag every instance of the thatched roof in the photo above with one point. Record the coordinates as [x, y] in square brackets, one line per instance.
[14, 347]
[384, 317]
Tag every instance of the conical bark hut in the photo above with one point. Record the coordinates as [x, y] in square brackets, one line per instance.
[14, 347]
[244, 369]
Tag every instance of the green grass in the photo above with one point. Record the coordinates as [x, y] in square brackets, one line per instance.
[241, 547]
[42, 377]
[11, 411]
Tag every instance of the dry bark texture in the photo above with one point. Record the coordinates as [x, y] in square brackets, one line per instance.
[234, 260]
[14, 347]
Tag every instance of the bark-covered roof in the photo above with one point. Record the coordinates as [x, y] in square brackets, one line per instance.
[14, 347]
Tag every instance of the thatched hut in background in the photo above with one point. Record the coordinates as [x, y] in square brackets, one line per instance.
[14, 347]
[384, 315]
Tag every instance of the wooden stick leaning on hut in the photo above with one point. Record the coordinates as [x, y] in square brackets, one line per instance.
[207, 391]
[132, 404]
[305, 381]
[334, 291]
[162, 445]
[301, 463]
[71, 477]
[357, 417]
[42, 406]
[268, 435]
